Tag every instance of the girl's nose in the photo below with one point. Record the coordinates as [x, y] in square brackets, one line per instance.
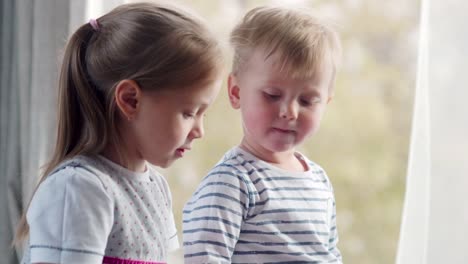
[197, 131]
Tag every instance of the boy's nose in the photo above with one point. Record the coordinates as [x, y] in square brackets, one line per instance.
[289, 111]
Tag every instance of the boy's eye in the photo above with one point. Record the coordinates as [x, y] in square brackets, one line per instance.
[309, 102]
[305, 102]
[272, 96]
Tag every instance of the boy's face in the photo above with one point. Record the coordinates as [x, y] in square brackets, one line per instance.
[278, 112]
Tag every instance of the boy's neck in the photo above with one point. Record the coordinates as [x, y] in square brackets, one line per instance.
[286, 160]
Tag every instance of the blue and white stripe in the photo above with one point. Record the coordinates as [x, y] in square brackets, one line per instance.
[248, 211]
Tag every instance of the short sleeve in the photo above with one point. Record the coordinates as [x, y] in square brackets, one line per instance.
[333, 241]
[70, 218]
[213, 217]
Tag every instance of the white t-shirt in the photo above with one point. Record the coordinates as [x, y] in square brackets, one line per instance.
[91, 210]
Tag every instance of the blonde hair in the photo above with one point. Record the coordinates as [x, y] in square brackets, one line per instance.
[303, 43]
[157, 46]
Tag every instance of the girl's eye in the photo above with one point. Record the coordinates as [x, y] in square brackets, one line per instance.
[188, 115]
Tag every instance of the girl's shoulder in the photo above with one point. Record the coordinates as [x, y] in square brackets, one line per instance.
[76, 174]
[77, 169]
[80, 164]
[70, 208]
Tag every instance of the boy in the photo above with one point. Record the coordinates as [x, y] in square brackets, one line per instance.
[264, 202]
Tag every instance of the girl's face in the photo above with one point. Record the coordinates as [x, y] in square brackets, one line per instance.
[168, 121]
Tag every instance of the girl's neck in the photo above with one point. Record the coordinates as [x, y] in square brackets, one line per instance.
[124, 158]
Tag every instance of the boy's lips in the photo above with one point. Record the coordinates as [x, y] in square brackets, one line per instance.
[282, 130]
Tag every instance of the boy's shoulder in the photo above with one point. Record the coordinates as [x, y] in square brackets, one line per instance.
[242, 161]
[232, 160]
[237, 159]
[234, 154]
[317, 170]
[235, 167]
[313, 166]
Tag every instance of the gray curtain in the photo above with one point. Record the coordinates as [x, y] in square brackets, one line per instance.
[33, 34]
[32, 38]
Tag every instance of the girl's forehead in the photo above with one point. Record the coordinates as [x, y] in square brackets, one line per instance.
[202, 93]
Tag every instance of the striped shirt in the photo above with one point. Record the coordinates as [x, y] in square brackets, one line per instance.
[248, 211]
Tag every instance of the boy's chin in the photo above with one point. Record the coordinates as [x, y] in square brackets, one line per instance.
[281, 147]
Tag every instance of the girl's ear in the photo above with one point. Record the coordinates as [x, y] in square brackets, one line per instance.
[233, 91]
[127, 98]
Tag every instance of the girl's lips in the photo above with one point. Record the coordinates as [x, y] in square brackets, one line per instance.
[180, 151]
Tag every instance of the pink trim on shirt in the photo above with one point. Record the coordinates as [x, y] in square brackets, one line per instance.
[112, 260]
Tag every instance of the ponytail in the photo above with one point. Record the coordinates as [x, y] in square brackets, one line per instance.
[81, 127]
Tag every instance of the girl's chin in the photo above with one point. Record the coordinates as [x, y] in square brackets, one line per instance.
[163, 163]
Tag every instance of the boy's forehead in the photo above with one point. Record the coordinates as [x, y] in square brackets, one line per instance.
[278, 61]
[261, 57]
[275, 67]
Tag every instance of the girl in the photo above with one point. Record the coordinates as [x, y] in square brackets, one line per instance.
[134, 86]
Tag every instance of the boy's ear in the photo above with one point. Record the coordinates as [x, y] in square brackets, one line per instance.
[329, 99]
[127, 97]
[233, 91]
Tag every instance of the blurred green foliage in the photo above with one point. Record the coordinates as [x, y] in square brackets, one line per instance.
[364, 139]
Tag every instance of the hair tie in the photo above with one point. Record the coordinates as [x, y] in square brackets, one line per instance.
[94, 24]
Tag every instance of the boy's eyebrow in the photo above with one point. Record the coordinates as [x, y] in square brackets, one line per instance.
[277, 85]
[314, 93]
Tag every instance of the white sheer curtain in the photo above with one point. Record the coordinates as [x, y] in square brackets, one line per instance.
[435, 217]
[32, 38]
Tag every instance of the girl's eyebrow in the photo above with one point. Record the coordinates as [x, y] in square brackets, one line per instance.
[192, 102]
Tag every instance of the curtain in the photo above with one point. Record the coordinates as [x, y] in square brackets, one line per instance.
[434, 226]
[33, 33]
[32, 38]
